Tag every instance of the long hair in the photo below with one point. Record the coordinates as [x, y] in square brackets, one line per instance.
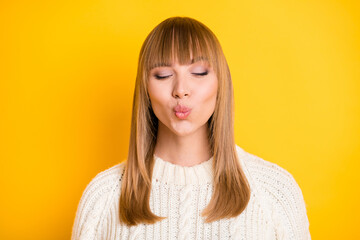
[180, 38]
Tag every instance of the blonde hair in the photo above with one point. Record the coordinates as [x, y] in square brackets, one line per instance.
[179, 38]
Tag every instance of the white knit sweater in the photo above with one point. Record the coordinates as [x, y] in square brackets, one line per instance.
[276, 209]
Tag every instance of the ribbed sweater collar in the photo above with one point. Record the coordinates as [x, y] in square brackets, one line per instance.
[202, 173]
[170, 173]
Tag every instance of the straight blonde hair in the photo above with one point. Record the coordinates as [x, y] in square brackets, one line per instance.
[180, 38]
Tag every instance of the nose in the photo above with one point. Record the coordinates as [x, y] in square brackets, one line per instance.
[181, 88]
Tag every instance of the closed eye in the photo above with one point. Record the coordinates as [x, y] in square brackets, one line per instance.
[201, 74]
[162, 77]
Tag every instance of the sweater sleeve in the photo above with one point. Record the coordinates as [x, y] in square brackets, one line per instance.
[94, 205]
[289, 210]
[288, 205]
[285, 197]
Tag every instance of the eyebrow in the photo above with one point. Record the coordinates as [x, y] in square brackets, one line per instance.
[192, 61]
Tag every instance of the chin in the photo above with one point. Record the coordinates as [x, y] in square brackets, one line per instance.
[182, 133]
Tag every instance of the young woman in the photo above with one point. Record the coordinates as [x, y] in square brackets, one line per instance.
[184, 177]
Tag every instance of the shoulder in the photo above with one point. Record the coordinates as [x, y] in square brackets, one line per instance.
[95, 201]
[265, 174]
[107, 177]
[280, 190]
[103, 182]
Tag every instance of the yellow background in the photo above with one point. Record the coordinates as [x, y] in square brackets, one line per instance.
[67, 73]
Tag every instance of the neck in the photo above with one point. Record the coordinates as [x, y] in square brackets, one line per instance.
[186, 150]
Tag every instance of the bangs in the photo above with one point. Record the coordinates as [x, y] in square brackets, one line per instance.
[179, 40]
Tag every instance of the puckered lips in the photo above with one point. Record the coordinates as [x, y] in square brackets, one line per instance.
[181, 111]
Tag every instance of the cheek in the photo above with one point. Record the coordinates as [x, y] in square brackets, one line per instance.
[209, 91]
[157, 95]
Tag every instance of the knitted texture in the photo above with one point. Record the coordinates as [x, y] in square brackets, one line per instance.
[276, 209]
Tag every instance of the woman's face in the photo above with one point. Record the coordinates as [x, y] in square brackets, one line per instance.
[183, 97]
